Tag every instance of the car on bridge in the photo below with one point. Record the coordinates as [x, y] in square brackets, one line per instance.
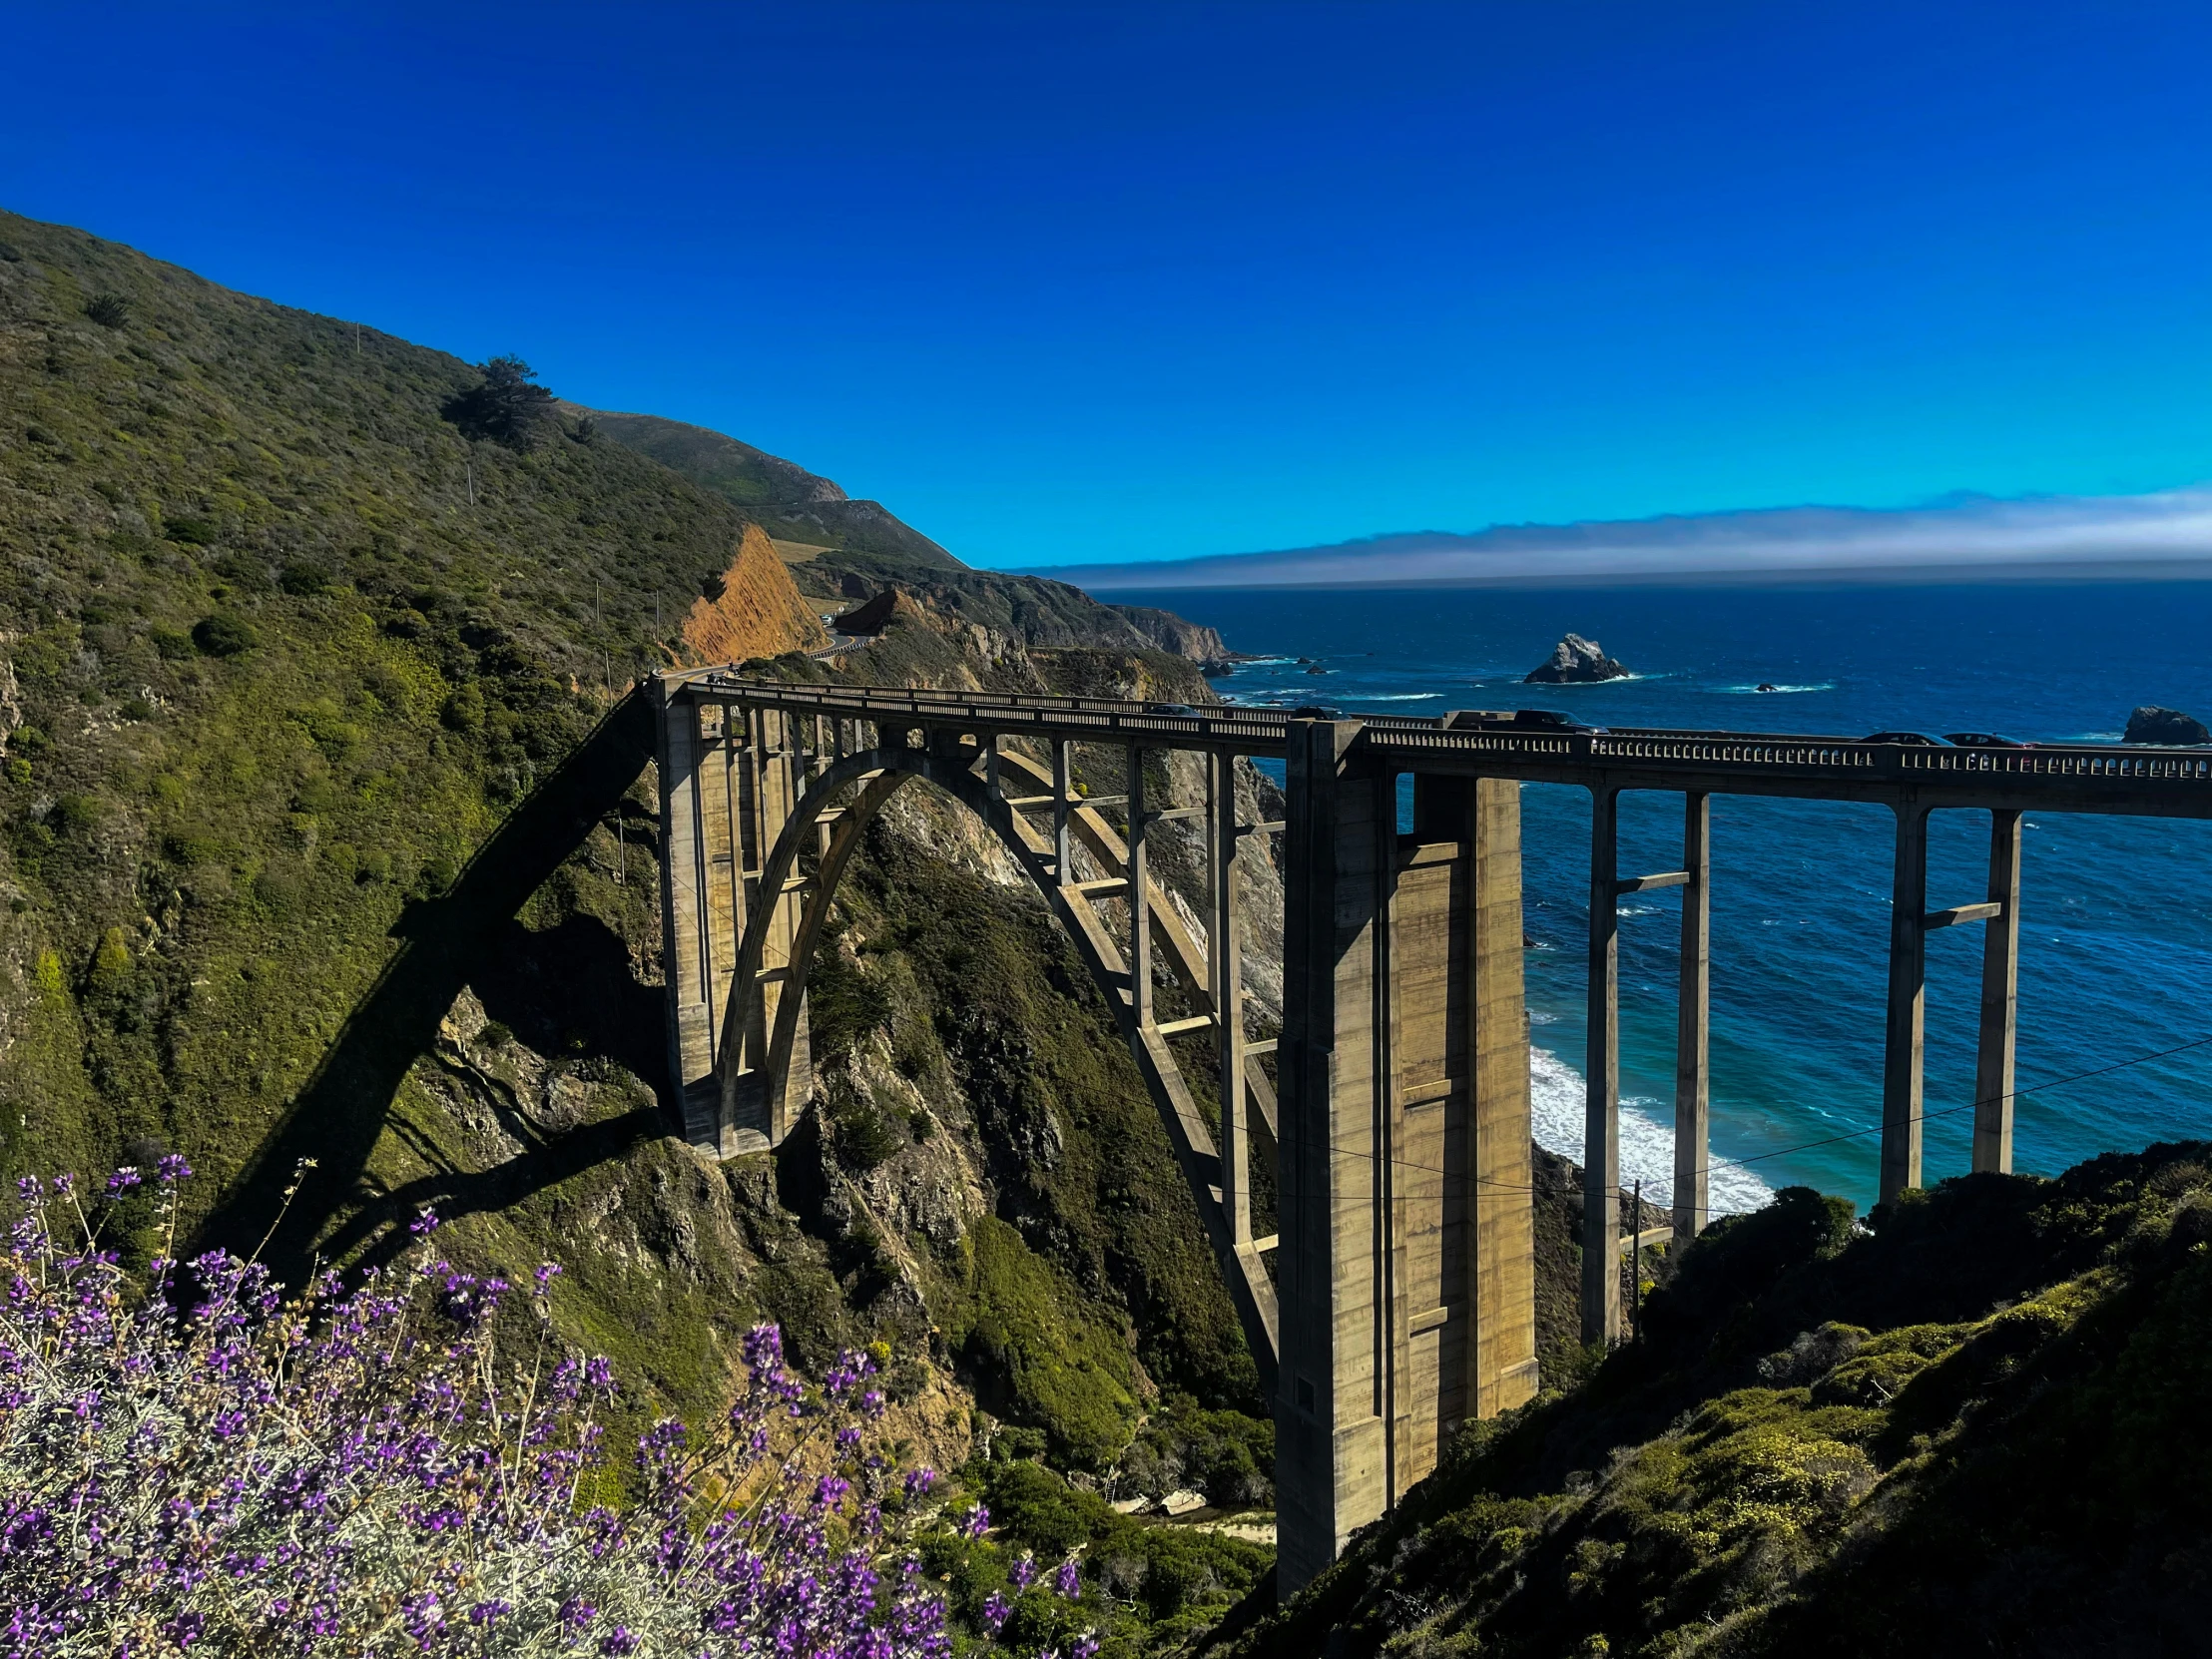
[1916, 740]
[1983, 740]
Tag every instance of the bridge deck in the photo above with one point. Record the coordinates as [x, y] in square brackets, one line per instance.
[2158, 783]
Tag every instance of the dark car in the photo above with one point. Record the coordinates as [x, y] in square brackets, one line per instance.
[1917, 739]
[1182, 710]
[1550, 719]
[1313, 711]
[1983, 740]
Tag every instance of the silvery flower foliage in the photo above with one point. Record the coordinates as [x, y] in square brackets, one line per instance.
[193, 1462]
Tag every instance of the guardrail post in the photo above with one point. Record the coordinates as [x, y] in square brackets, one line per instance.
[2000, 1000]
[1602, 1135]
[1905, 1034]
[1692, 1104]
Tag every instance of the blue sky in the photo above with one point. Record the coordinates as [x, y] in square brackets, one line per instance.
[1082, 284]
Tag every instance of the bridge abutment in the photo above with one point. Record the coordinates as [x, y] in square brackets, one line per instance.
[1407, 1267]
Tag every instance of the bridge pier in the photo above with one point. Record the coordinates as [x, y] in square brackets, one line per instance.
[729, 775]
[1906, 1029]
[1693, 1020]
[2000, 999]
[1601, 1123]
[1407, 1267]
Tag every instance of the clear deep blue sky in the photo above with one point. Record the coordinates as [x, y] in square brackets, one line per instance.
[1059, 283]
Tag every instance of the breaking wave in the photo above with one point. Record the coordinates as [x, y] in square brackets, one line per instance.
[1557, 1096]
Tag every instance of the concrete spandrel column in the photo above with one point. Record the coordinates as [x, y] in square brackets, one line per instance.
[1061, 786]
[2000, 999]
[1225, 960]
[1692, 1098]
[1140, 901]
[1602, 1133]
[1905, 1035]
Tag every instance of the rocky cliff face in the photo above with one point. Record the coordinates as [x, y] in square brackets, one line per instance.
[758, 611]
[1166, 631]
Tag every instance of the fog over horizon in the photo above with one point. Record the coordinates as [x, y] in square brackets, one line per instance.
[2165, 532]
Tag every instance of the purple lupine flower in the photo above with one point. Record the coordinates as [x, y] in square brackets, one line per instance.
[1023, 1571]
[343, 1458]
[123, 1180]
[1067, 1581]
[174, 1169]
[995, 1611]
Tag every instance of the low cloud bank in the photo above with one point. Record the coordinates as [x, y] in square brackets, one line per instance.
[1967, 536]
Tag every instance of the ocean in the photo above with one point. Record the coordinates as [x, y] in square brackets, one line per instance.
[2117, 913]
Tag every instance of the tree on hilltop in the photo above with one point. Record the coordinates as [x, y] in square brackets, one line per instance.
[508, 406]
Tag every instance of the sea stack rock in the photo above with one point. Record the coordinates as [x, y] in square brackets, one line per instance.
[2152, 723]
[1575, 661]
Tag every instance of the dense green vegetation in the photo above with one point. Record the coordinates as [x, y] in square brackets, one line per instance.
[326, 833]
[1975, 1427]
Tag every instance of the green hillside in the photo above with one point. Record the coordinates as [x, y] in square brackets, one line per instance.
[326, 834]
[1975, 1429]
[783, 497]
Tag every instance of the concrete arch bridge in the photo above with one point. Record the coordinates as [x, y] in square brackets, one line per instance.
[1397, 1298]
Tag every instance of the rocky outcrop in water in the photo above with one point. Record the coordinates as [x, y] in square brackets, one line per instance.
[1575, 661]
[2152, 723]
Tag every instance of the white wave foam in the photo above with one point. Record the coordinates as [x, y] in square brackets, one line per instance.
[1773, 691]
[1402, 697]
[1559, 1097]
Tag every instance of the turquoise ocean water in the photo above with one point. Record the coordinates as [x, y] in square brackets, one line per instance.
[2116, 929]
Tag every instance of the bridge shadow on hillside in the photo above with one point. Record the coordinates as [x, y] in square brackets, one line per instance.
[467, 936]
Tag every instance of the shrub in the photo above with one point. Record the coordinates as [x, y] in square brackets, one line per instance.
[407, 1468]
[224, 636]
[301, 581]
[110, 311]
[189, 532]
[507, 407]
[172, 643]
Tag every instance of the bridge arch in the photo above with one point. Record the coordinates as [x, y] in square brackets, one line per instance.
[759, 1041]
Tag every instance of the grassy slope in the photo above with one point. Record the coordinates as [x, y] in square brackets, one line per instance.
[376, 886]
[1975, 1428]
[783, 498]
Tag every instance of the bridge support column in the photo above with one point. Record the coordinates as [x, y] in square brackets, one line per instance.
[1140, 897]
[730, 777]
[1225, 962]
[2000, 999]
[687, 924]
[1906, 1035]
[1602, 1124]
[1407, 1267]
[1692, 1099]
